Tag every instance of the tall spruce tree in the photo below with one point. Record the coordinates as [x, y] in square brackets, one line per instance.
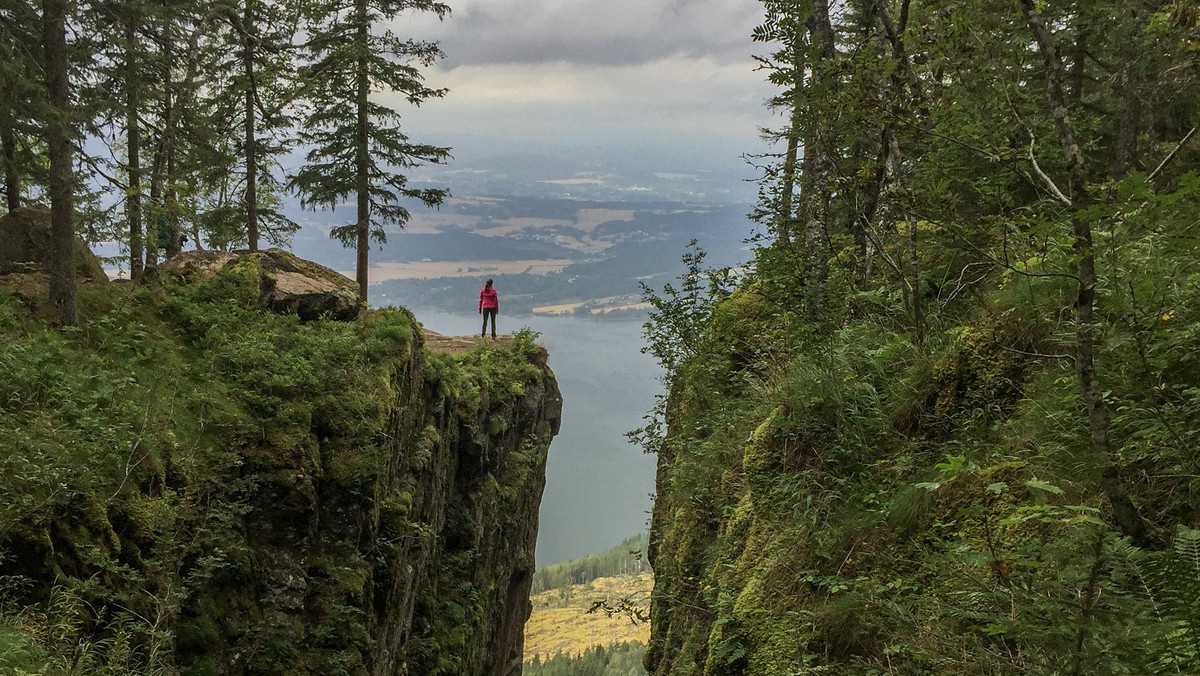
[19, 82]
[60, 141]
[254, 107]
[358, 147]
[113, 91]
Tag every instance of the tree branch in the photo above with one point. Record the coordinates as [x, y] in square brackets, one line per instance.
[1042, 175]
[1171, 155]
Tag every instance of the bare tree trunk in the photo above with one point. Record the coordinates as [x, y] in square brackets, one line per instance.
[363, 158]
[251, 154]
[1131, 121]
[172, 110]
[1079, 59]
[133, 134]
[1125, 514]
[175, 240]
[783, 219]
[12, 178]
[62, 178]
[819, 165]
[166, 144]
[157, 208]
[914, 264]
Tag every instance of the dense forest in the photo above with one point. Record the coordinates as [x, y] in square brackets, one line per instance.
[622, 659]
[156, 123]
[946, 420]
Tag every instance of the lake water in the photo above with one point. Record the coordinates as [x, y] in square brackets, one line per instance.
[598, 485]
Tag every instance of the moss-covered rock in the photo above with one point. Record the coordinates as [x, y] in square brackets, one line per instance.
[25, 245]
[286, 283]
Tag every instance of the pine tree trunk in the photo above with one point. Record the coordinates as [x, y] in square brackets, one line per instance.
[1131, 121]
[154, 223]
[1079, 59]
[785, 217]
[133, 133]
[175, 240]
[1125, 514]
[783, 230]
[251, 155]
[58, 141]
[362, 149]
[12, 179]
[164, 149]
[914, 264]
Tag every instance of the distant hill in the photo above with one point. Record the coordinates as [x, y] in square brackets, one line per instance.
[569, 632]
[547, 256]
[626, 558]
[561, 621]
[621, 659]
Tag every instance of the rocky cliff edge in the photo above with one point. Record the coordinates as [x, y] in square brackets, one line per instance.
[196, 484]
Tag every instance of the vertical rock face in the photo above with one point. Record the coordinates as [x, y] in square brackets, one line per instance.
[454, 597]
[265, 495]
[442, 540]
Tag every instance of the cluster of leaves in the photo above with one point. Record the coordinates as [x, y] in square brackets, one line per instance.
[183, 112]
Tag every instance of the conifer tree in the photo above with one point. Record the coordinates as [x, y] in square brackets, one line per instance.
[358, 148]
[19, 43]
[114, 90]
[59, 141]
[256, 101]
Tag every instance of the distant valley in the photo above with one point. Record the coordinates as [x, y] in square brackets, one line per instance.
[547, 255]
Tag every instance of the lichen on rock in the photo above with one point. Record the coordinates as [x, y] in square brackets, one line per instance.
[288, 284]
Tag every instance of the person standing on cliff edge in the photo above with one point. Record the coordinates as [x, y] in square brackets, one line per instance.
[489, 305]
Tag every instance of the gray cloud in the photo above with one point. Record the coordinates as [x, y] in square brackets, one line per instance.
[605, 32]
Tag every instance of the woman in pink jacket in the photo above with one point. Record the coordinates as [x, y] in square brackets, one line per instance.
[489, 305]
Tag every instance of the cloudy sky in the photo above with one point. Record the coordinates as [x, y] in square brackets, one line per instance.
[671, 74]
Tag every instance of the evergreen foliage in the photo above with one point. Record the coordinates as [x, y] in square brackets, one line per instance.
[357, 142]
[181, 111]
[619, 659]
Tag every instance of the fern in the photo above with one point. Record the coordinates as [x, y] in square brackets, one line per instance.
[1171, 580]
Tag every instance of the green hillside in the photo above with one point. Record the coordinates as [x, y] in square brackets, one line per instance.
[626, 558]
[622, 659]
[193, 484]
[588, 615]
[946, 421]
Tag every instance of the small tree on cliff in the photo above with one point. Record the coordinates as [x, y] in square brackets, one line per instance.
[357, 144]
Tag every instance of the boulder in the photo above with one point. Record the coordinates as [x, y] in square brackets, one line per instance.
[287, 284]
[25, 245]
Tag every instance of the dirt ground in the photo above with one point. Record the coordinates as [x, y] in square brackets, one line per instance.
[458, 344]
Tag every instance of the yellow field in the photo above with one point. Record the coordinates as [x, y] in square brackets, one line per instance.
[560, 621]
[610, 303]
[433, 222]
[588, 219]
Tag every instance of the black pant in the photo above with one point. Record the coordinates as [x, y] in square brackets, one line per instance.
[488, 312]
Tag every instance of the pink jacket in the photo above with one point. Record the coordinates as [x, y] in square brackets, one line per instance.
[488, 299]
